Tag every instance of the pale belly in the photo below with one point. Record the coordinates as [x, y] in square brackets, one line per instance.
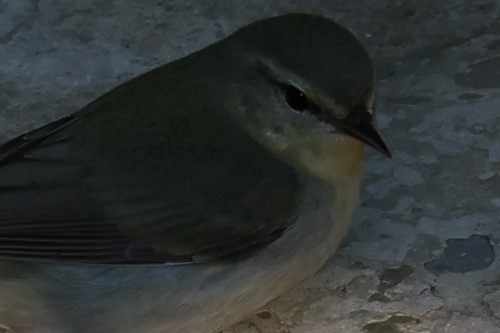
[200, 298]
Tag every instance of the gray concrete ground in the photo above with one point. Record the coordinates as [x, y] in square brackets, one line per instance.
[421, 256]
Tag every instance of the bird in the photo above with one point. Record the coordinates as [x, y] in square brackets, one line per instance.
[189, 196]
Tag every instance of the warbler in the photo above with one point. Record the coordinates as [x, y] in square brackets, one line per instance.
[188, 197]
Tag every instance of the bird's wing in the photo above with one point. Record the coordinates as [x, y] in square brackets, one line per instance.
[69, 198]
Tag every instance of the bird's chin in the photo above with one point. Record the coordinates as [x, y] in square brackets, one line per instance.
[339, 137]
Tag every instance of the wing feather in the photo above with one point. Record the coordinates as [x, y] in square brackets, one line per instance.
[202, 204]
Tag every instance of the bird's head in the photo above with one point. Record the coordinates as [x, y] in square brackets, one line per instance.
[305, 89]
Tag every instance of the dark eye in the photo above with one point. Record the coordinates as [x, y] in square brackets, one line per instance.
[296, 98]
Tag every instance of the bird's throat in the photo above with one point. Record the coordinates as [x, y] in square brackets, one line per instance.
[332, 160]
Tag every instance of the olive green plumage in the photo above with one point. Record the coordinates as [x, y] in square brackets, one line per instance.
[239, 157]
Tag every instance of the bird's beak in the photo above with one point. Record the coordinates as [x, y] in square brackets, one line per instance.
[359, 125]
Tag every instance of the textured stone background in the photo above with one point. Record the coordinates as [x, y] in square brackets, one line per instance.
[421, 256]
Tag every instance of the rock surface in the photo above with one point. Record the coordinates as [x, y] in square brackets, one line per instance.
[422, 253]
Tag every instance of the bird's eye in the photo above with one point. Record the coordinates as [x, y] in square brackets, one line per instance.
[296, 98]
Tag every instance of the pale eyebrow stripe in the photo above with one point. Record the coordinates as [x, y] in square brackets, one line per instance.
[370, 102]
[282, 76]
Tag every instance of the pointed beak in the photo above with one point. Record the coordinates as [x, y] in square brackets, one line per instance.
[359, 125]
